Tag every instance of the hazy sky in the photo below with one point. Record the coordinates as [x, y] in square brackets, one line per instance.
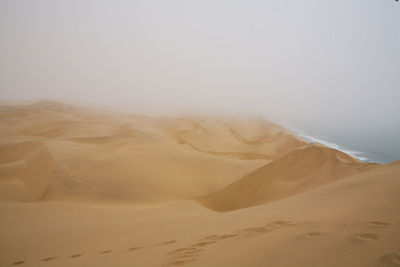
[320, 63]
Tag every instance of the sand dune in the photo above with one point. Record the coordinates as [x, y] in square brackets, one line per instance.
[86, 188]
[25, 170]
[136, 160]
[298, 171]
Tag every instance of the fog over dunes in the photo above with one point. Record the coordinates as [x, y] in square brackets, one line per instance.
[318, 64]
[199, 133]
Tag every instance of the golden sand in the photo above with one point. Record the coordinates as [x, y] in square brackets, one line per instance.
[84, 188]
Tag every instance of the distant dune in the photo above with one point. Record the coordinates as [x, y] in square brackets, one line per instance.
[81, 187]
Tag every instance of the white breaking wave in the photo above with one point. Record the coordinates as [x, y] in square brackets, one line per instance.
[355, 154]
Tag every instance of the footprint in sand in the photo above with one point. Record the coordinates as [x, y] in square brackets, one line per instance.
[253, 231]
[134, 248]
[226, 236]
[283, 223]
[314, 235]
[49, 259]
[181, 262]
[169, 242]
[186, 250]
[76, 256]
[219, 237]
[105, 251]
[187, 256]
[18, 262]
[378, 224]
[367, 236]
[210, 237]
[256, 230]
[184, 255]
[391, 258]
[204, 243]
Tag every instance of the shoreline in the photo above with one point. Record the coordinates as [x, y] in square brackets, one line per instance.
[355, 154]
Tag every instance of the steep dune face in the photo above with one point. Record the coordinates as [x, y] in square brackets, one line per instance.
[26, 170]
[298, 171]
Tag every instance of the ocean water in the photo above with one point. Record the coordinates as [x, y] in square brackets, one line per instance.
[379, 148]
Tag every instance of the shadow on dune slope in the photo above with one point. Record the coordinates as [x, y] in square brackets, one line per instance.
[298, 171]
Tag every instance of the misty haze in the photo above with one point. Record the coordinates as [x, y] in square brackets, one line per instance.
[199, 133]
